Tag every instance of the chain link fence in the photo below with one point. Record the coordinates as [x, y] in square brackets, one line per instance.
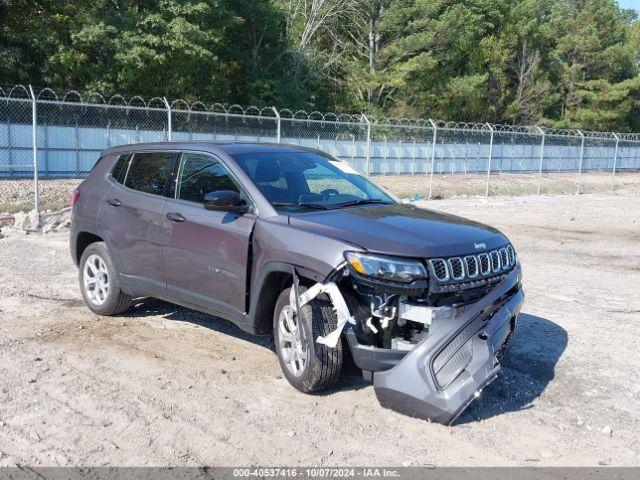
[16, 135]
[46, 136]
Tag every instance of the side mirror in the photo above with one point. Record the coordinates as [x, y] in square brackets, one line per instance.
[225, 201]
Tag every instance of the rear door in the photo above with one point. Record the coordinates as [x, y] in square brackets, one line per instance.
[205, 253]
[131, 214]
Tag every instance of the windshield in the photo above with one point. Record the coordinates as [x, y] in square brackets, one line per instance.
[308, 180]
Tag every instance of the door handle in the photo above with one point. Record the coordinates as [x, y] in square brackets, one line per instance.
[175, 217]
[114, 202]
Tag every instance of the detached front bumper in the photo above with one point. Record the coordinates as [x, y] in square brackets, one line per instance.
[443, 374]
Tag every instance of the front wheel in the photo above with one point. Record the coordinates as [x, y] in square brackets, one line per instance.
[99, 282]
[307, 365]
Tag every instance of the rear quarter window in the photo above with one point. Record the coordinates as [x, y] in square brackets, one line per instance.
[119, 169]
[148, 172]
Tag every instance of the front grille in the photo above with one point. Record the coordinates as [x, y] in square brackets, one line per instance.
[504, 259]
[495, 261]
[439, 269]
[457, 268]
[473, 267]
[485, 264]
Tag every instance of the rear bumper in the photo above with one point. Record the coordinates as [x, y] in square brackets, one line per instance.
[443, 374]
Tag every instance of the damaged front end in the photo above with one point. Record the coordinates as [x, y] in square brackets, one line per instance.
[428, 334]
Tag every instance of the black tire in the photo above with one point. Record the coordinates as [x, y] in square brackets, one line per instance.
[116, 300]
[324, 364]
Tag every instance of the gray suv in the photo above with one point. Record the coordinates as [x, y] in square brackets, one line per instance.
[290, 242]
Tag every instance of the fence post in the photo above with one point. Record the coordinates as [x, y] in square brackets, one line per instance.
[76, 137]
[581, 160]
[413, 168]
[34, 140]
[353, 152]
[169, 119]
[10, 147]
[433, 155]
[541, 158]
[278, 131]
[368, 169]
[386, 157]
[615, 161]
[46, 150]
[490, 156]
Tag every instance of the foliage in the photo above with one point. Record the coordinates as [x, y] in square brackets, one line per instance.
[556, 62]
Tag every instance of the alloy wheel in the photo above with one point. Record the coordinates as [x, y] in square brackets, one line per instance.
[293, 350]
[96, 279]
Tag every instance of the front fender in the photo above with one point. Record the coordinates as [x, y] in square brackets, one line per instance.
[264, 292]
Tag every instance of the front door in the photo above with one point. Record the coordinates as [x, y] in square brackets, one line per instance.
[205, 253]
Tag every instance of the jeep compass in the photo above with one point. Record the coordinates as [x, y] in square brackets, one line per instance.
[290, 242]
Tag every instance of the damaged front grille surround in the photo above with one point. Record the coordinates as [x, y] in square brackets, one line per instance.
[472, 267]
[447, 282]
[439, 378]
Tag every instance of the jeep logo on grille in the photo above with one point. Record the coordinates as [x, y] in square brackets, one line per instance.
[480, 246]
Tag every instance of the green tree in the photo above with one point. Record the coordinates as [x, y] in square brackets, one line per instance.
[28, 35]
[556, 62]
[594, 64]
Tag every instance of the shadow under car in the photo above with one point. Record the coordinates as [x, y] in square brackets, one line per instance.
[526, 370]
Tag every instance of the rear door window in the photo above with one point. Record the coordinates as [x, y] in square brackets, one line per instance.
[200, 174]
[148, 172]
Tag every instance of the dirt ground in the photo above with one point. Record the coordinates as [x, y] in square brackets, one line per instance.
[162, 385]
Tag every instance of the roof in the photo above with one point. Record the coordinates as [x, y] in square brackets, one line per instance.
[227, 147]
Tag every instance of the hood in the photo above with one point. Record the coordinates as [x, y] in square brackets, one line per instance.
[402, 230]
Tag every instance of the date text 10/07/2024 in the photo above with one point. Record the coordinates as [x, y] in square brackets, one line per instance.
[368, 472]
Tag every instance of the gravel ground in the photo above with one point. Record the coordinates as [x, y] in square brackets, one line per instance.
[162, 385]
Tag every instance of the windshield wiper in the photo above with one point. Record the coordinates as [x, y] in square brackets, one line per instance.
[317, 206]
[361, 201]
[322, 206]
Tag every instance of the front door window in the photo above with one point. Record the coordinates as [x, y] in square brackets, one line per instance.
[200, 174]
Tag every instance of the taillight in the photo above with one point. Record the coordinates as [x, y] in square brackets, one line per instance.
[75, 197]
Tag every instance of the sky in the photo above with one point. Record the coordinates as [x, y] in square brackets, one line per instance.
[635, 4]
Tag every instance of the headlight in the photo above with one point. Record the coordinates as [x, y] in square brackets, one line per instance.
[386, 268]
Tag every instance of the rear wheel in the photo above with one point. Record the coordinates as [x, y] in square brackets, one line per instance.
[99, 282]
[307, 365]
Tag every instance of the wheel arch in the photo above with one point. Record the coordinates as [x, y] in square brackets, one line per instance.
[83, 235]
[83, 240]
[273, 279]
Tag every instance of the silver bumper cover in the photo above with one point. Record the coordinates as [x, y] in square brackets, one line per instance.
[444, 373]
